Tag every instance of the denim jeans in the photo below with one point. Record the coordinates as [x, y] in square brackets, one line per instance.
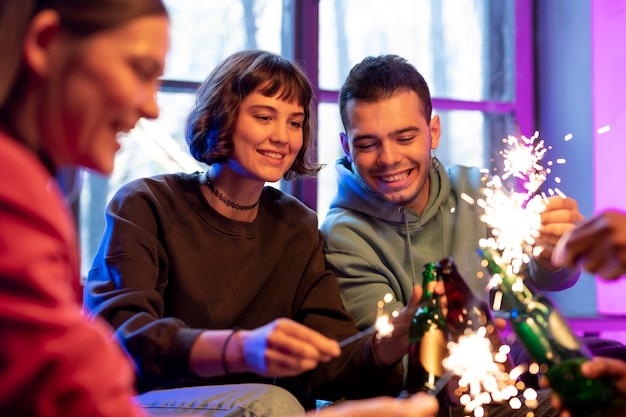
[238, 400]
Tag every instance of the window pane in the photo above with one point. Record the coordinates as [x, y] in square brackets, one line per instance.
[464, 48]
[469, 138]
[204, 32]
[153, 147]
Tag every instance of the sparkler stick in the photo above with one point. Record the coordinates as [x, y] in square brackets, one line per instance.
[441, 382]
[383, 325]
[357, 336]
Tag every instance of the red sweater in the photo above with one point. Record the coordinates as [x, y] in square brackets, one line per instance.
[53, 361]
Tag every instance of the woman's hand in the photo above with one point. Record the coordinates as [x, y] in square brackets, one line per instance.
[281, 348]
[285, 348]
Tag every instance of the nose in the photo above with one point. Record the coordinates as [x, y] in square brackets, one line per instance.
[149, 108]
[280, 133]
[388, 154]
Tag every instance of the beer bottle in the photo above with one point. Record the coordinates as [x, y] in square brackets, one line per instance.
[550, 341]
[468, 313]
[428, 338]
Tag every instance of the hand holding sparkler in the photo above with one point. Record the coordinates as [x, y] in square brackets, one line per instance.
[392, 348]
[392, 339]
[560, 215]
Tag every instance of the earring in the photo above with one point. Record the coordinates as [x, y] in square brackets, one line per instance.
[434, 162]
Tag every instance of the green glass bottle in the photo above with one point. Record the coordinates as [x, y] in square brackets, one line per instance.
[551, 342]
[428, 338]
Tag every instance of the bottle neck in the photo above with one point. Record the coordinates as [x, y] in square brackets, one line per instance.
[512, 286]
[429, 280]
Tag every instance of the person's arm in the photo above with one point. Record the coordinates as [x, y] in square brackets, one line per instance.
[364, 279]
[597, 245]
[281, 348]
[54, 361]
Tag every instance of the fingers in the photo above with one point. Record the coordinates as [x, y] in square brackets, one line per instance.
[559, 254]
[423, 405]
[415, 300]
[501, 324]
[598, 245]
[286, 348]
[558, 219]
[388, 350]
[563, 204]
[600, 367]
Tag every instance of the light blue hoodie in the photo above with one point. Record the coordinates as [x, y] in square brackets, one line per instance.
[375, 247]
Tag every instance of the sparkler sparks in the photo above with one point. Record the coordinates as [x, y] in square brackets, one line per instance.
[515, 222]
[482, 379]
[514, 216]
[522, 160]
[383, 326]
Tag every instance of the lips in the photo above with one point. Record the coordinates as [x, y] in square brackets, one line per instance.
[123, 127]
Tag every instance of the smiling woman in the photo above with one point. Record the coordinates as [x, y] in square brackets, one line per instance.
[73, 73]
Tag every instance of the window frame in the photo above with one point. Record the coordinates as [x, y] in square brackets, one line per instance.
[305, 45]
[306, 22]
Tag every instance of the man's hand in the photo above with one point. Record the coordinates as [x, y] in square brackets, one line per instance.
[560, 216]
[392, 348]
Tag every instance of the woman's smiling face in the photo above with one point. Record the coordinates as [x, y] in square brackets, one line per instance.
[267, 137]
[101, 87]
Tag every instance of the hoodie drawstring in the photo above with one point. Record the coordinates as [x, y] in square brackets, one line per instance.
[409, 246]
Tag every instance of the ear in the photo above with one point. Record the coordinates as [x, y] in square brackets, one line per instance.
[435, 132]
[345, 145]
[39, 42]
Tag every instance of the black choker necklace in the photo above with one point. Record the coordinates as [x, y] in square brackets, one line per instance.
[226, 201]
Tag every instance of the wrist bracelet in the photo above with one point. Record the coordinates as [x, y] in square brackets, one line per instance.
[224, 347]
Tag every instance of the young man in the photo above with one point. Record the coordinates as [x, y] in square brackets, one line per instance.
[397, 207]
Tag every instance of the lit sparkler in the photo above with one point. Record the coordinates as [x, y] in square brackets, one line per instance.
[514, 216]
[482, 379]
[383, 326]
[522, 160]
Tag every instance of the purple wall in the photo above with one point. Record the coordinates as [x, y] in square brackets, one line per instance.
[608, 40]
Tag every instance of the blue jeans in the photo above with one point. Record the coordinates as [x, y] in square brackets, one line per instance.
[238, 400]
